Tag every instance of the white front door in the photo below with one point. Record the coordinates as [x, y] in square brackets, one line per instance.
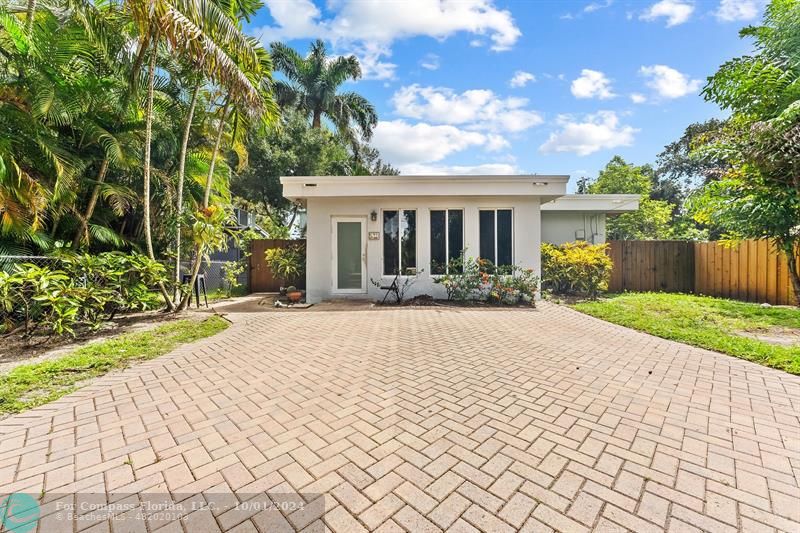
[349, 240]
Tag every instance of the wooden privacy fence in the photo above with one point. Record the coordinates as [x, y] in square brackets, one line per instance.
[261, 278]
[652, 266]
[753, 271]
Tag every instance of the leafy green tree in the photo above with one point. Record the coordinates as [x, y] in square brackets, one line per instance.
[99, 133]
[312, 87]
[681, 165]
[651, 220]
[759, 195]
[294, 148]
[620, 177]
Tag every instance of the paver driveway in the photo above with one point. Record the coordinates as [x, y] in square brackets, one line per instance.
[423, 419]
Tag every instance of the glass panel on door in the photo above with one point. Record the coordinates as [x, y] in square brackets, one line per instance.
[348, 255]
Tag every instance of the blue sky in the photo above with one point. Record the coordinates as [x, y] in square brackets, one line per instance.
[547, 87]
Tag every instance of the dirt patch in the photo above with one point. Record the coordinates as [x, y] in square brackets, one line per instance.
[775, 335]
[265, 302]
[15, 351]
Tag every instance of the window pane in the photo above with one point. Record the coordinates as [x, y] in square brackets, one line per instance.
[504, 237]
[438, 244]
[487, 235]
[348, 255]
[455, 230]
[390, 242]
[408, 231]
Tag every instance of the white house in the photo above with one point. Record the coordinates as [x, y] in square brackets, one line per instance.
[582, 217]
[364, 228]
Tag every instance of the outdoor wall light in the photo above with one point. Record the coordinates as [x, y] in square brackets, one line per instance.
[373, 216]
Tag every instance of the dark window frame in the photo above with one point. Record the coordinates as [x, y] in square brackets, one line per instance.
[447, 257]
[494, 210]
[401, 268]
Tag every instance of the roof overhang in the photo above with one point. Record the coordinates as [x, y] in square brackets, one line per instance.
[299, 188]
[597, 203]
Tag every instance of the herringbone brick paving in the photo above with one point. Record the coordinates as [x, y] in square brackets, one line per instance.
[422, 420]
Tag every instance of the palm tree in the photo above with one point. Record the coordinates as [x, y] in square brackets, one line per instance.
[206, 34]
[236, 10]
[243, 113]
[312, 85]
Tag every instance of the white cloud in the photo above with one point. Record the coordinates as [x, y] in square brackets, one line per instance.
[588, 8]
[376, 24]
[599, 131]
[521, 79]
[430, 62]
[477, 109]
[732, 10]
[592, 84]
[403, 144]
[486, 169]
[370, 57]
[668, 82]
[597, 6]
[675, 11]
[638, 98]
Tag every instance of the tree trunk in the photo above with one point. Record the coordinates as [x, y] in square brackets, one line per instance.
[181, 173]
[316, 123]
[294, 216]
[101, 177]
[148, 137]
[137, 63]
[215, 153]
[29, 16]
[198, 257]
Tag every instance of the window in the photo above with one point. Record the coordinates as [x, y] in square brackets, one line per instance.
[496, 236]
[399, 241]
[447, 238]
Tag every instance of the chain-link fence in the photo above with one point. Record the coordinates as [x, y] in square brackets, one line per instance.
[215, 275]
[7, 262]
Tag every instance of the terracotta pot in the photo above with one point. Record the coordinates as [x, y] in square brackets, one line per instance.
[294, 296]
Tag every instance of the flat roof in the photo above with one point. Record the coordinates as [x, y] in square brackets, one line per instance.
[546, 186]
[600, 203]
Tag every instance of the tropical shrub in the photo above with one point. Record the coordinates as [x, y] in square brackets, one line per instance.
[463, 280]
[471, 279]
[576, 268]
[31, 295]
[127, 280]
[512, 285]
[287, 264]
[85, 291]
[230, 273]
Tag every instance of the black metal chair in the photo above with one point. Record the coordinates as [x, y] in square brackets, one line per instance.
[393, 288]
[200, 280]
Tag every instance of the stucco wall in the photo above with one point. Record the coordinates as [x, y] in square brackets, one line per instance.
[320, 248]
[559, 227]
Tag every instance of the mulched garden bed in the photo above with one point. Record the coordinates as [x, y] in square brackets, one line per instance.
[425, 300]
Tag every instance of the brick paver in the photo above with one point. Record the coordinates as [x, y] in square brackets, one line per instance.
[422, 419]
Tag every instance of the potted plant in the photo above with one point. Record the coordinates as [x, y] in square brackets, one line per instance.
[293, 294]
[288, 264]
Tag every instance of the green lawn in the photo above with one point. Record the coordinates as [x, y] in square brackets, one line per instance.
[27, 386]
[711, 323]
[222, 294]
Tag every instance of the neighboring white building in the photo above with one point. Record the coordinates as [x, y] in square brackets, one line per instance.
[364, 228]
[582, 217]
